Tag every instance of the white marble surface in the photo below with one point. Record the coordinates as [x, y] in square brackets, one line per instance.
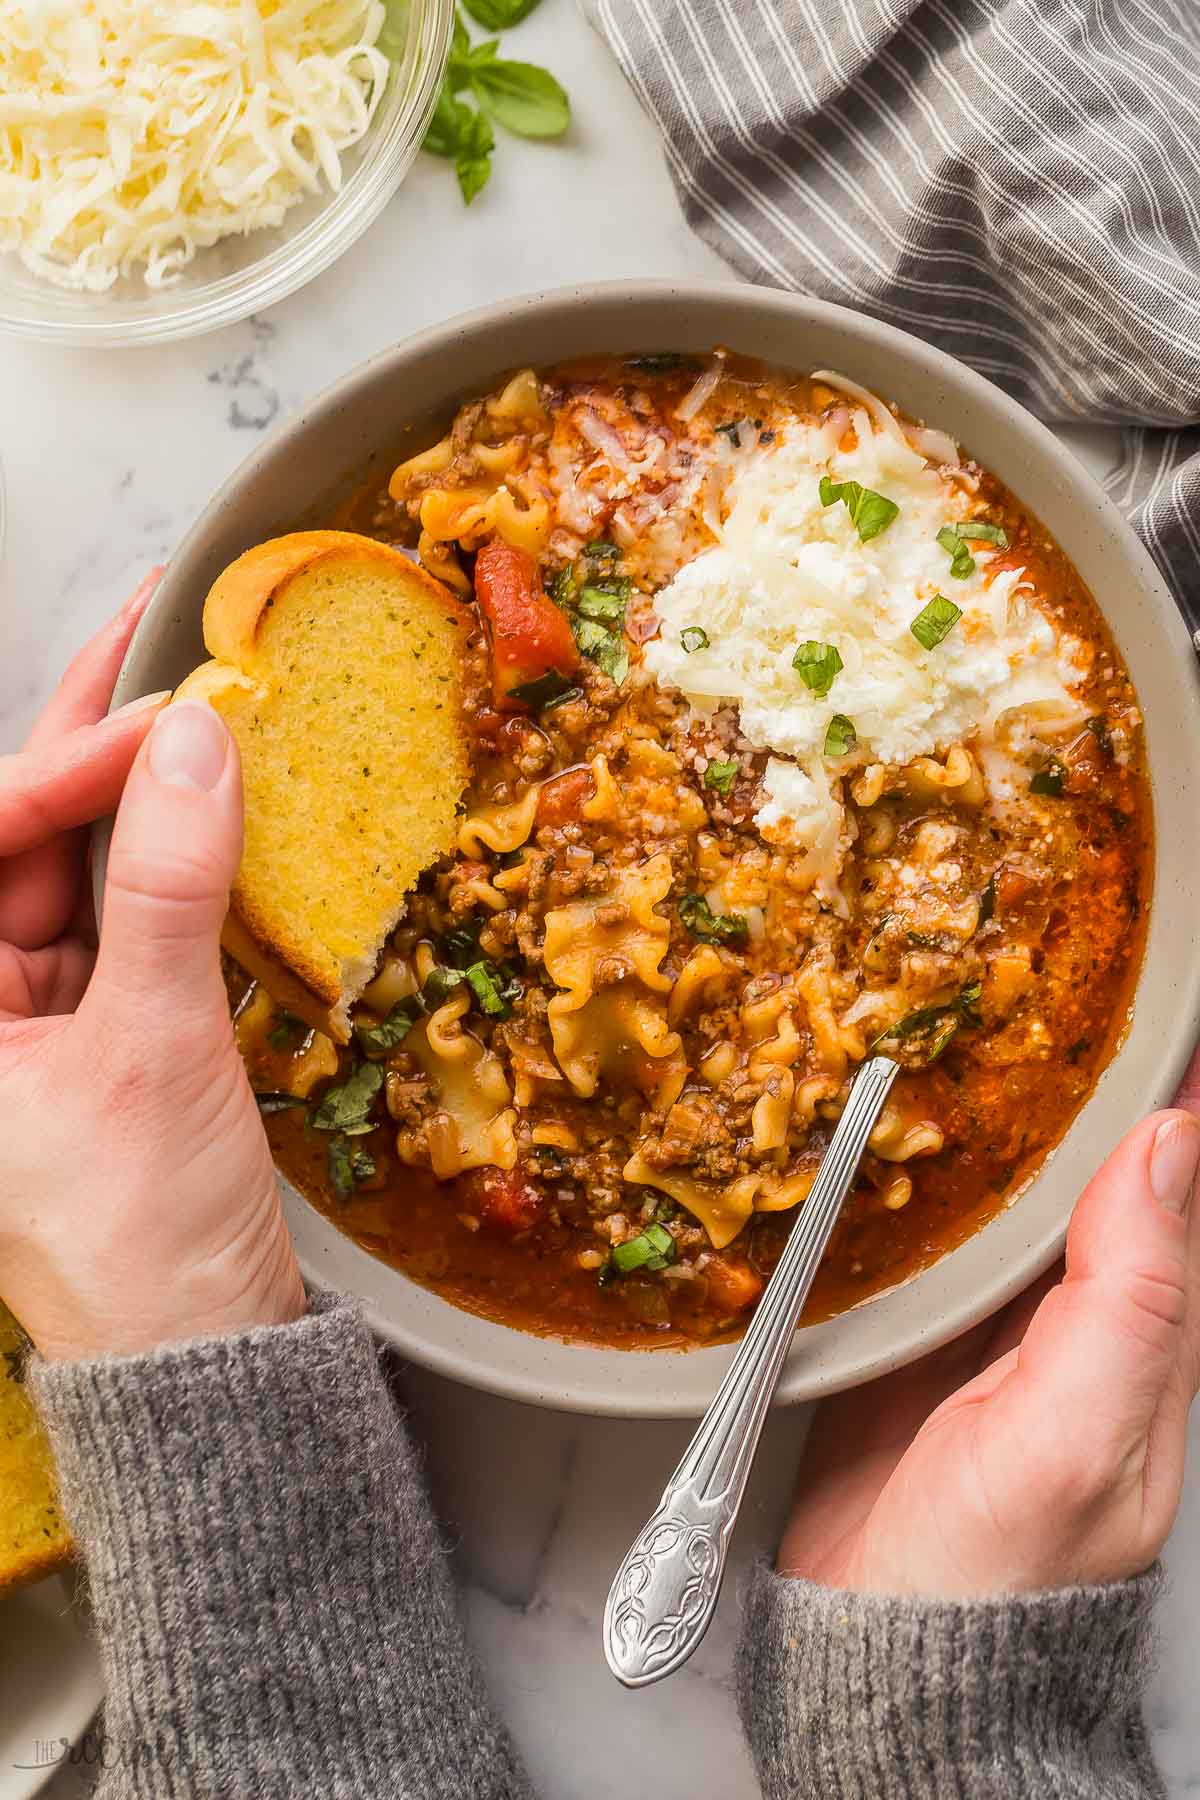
[108, 457]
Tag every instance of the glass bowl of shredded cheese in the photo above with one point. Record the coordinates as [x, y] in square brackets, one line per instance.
[169, 166]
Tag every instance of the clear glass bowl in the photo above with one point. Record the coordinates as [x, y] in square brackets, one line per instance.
[241, 275]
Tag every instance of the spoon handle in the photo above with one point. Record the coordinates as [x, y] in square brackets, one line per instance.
[666, 1589]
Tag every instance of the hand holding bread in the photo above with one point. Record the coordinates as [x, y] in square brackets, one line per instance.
[138, 1203]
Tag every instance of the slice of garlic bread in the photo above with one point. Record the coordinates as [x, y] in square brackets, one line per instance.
[338, 668]
[34, 1541]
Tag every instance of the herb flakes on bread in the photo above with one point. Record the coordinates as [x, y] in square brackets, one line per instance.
[338, 669]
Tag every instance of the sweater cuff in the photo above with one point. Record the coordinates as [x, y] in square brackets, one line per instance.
[848, 1694]
[273, 1600]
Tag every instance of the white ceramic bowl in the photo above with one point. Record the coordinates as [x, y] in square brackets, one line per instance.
[287, 481]
[242, 275]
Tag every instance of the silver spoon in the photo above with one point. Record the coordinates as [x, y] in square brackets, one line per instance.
[666, 1590]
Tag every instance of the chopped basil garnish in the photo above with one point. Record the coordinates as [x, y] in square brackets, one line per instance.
[694, 637]
[378, 1040]
[962, 563]
[721, 776]
[562, 585]
[1098, 726]
[347, 1108]
[840, 735]
[935, 622]
[658, 362]
[987, 900]
[460, 946]
[932, 1027]
[817, 664]
[604, 647]
[487, 991]
[348, 1167]
[546, 691]
[273, 1103]
[698, 917]
[602, 550]
[980, 529]
[1048, 781]
[651, 1249]
[871, 512]
[597, 603]
[439, 985]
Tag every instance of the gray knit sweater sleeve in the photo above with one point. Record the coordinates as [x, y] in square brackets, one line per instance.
[274, 1605]
[863, 1697]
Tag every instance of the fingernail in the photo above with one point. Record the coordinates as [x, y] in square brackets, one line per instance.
[188, 746]
[1174, 1157]
[145, 703]
[142, 594]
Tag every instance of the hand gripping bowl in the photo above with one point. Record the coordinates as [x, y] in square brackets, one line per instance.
[287, 481]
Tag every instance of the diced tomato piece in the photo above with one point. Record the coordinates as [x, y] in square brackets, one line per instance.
[530, 636]
[502, 1198]
[560, 800]
[732, 1286]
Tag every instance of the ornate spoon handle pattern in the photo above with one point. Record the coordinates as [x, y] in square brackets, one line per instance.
[666, 1589]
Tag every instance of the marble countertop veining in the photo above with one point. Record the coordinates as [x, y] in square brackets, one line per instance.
[108, 457]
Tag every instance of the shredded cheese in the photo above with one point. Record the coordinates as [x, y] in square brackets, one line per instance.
[135, 132]
[788, 568]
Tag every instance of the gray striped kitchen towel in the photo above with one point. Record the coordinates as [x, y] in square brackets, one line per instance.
[1016, 180]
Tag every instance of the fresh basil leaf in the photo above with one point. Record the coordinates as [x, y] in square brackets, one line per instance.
[473, 164]
[562, 585]
[499, 15]
[979, 528]
[595, 603]
[694, 637]
[653, 1248]
[523, 98]
[460, 945]
[962, 563]
[451, 119]
[698, 917]
[934, 1026]
[935, 622]
[817, 664]
[546, 691]
[871, 512]
[840, 735]
[439, 985]
[273, 1103]
[487, 991]
[721, 776]
[341, 1169]
[1098, 726]
[601, 550]
[379, 1040]
[603, 647]
[347, 1108]
[1048, 782]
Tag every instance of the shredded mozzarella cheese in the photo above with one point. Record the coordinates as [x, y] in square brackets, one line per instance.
[135, 132]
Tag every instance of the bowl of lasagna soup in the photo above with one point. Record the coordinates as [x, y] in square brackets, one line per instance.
[818, 705]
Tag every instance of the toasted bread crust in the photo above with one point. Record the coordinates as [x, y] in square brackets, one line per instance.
[243, 592]
[234, 613]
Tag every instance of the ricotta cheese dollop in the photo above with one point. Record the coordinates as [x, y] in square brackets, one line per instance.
[788, 569]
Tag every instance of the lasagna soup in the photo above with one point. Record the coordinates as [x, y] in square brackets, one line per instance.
[793, 737]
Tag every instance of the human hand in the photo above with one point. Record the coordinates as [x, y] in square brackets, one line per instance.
[1046, 1448]
[138, 1202]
